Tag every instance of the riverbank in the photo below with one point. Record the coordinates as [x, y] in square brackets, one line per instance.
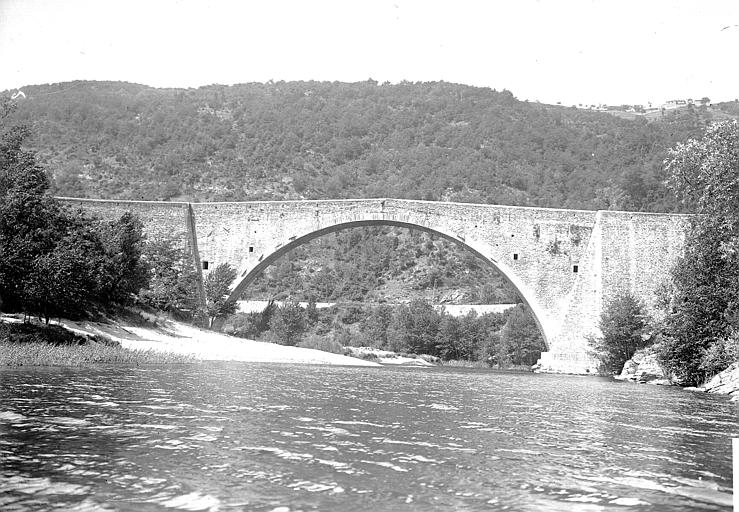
[385, 357]
[644, 368]
[724, 383]
[45, 354]
[33, 344]
[175, 338]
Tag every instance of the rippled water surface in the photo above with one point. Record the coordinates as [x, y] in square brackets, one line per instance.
[235, 436]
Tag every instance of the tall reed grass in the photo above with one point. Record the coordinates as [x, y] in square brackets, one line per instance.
[31, 344]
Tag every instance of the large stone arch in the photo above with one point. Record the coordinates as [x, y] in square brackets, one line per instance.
[534, 249]
[526, 295]
[566, 264]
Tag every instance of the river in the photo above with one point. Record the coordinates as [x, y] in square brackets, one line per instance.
[258, 437]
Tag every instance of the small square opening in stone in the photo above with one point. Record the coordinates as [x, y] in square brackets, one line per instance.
[205, 265]
[251, 248]
[574, 269]
[515, 255]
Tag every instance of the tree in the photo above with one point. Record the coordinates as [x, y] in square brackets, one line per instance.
[448, 339]
[520, 339]
[125, 272]
[704, 174]
[414, 328]
[252, 325]
[62, 281]
[173, 281]
[287, 325]
[311, 311]
[472, 336]
[374, 327]
[217, 290]
[31, 222]
[622, 324]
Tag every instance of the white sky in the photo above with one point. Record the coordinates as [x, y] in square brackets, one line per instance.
[573, 51]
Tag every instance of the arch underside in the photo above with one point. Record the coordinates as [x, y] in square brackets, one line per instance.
[252, 274]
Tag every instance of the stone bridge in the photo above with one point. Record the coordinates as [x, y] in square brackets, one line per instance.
[564, 264]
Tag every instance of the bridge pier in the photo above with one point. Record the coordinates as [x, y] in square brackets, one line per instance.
[577, 363]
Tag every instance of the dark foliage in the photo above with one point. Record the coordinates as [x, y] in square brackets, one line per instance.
[622, 324]
[287, 324]
[511, 338]
[705, 174]
[520, 339]
[32, 333]
[251, 325]
[173, 281]
[217, 286]
[414, 328]
[125, 272]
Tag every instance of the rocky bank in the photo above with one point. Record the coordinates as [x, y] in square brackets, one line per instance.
[644, 368]
[725, 383]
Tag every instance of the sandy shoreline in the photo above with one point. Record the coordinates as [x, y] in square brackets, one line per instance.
[179, 338]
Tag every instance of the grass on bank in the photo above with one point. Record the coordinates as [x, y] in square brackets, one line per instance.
[43, 354]
[24, 344]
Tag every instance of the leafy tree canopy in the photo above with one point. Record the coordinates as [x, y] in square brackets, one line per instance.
[623, 324]
[288, 324]
[704, 173]
[217, 286]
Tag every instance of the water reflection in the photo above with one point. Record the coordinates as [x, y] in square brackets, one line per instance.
[260, 437]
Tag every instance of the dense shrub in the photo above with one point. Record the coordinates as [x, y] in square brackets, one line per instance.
[322, 343]
[623, 324]
[287, 324]
[721, 354]
[32, 333]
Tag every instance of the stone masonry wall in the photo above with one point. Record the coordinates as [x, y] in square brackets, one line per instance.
[161, 220]
[638, 252]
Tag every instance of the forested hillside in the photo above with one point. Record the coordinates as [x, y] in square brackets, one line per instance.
[312, 140]
[382, 265]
